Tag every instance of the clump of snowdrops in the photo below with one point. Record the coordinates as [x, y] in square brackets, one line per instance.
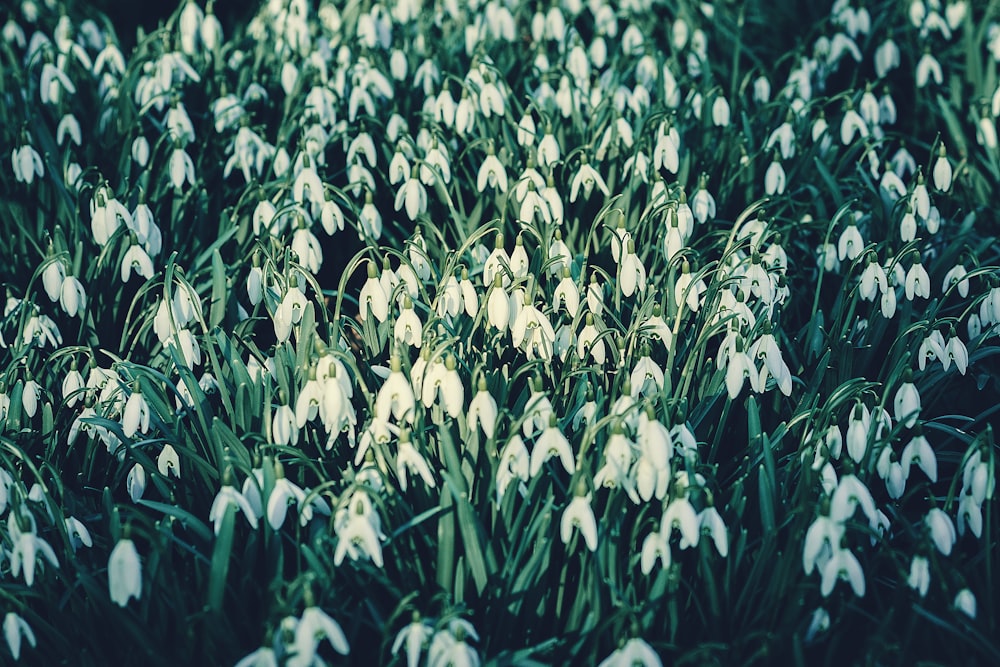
[441, 333]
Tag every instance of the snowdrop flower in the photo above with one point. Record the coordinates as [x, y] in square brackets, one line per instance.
[408, 459]
[27, 163]
[928, 68]
[919, 451]
[850, 494]
[315, 626]
[124, 571]
[550, 443]
[852, 124]
[372, 297]
[228, 497]
[26, 547]
[580, 515]
[906, 403]
[532, 332]
[396, 397]
[822, 538]
[168, 462]
[920, 575]
[415, 636]
[358, 530]
[632, 653]
[587, 178]
[449, 647]
[515, 463]
[886, 57]
[181, 168]
[956, 277]
[965, 602]
[703, 204]
[492, 172]
[918, 283]
[15, 629]
[942, 170]
[955, 351]
[843, 565]
[656, 546]
[941, 529]
[483, 410]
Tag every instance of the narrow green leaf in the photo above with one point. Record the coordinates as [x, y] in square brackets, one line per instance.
[220, 559]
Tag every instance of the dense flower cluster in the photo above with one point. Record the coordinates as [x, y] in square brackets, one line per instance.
[561, 322]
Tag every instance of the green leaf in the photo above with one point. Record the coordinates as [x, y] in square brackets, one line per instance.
[220, 559]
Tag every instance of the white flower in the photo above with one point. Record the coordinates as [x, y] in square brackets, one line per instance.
[919, 451]
[850, 244]
[920, 575]
[408, 459]
[491, 173]
[228, 497]
[906, 404]
[26, 546]
[774, 178]
[181, 168]
[136, 259]
[587, 177]
[851, 493]
[551, 442]
[168, 462]
[415, 635]
[965, 602]
[942, 530]
[633, 653]
[579, 514]
[655, 546]
[927, 68]
[942, 170]
[124, 572]
[680, 515]
[483, 410]
[918, 283]
[396, 396]
[843, 565]
[15, 629]
[314, 626]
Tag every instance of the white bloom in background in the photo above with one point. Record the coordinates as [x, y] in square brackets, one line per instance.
[633, 653]
[16, 629]
[315, 626]
[181, 168]
[920, 575]
[449, 647]
[124, 572]
[928, 68]
[415, 635]
[27, 164]
[965, 602]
